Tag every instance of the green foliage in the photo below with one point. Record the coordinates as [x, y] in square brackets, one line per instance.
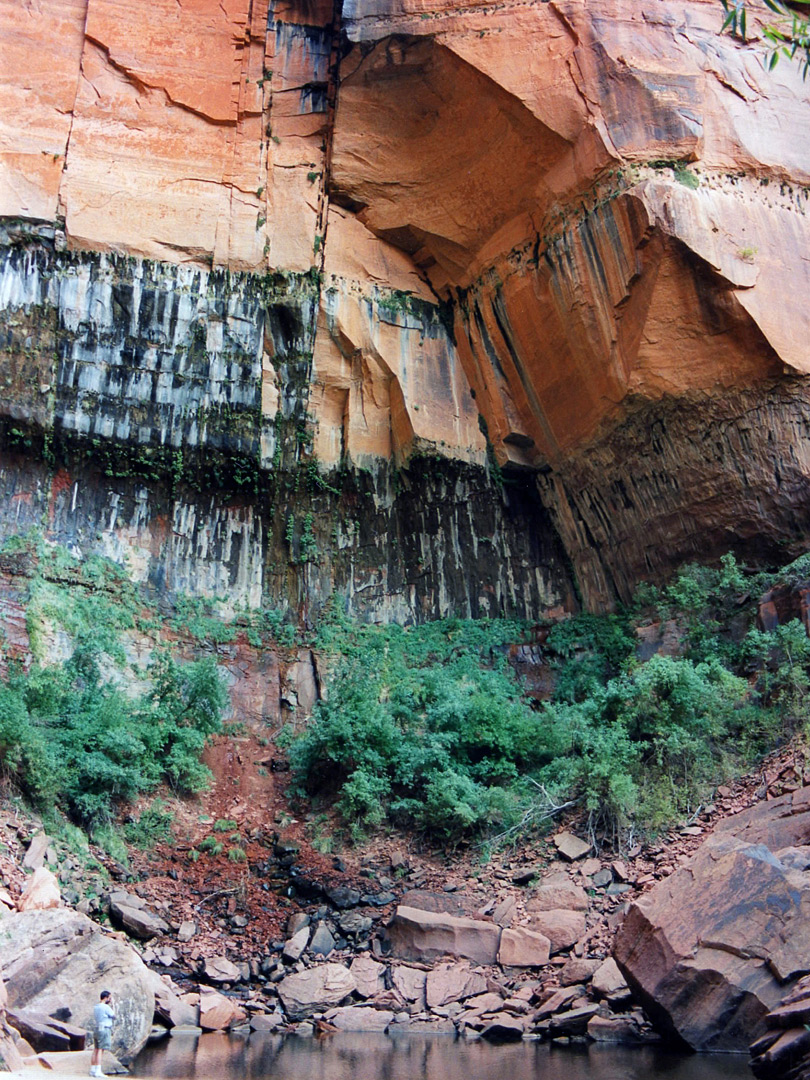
[425, 725]
[788, 36]
[71, 739]
[154, 826]
[211, 845]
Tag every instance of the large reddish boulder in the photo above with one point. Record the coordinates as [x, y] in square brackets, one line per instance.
[426, 935]
[711, 950]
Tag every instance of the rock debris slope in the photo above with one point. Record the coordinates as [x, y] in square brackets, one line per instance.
[554, 240]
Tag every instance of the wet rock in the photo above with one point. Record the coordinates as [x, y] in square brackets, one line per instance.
[574, 1021]
[503, 1027]
[423, 935]
[619, 1030]
[315, 989]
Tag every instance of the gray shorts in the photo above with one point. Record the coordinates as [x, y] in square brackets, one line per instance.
[103, 1039]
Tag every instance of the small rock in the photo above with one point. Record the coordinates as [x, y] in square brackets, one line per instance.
[322, 942]
[578, 971]
[602, 878]
[187, 930]
[294, 948]
[523, 948]
[607, 979]
[503, 1027]
[562, 928]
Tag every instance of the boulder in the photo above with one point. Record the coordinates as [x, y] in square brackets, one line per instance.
[368, 976]
[315, 989]
[57, 959]
[217, 1012]
[425, 935]
[503, 1027]
[707, 949]
[578, 971]
[608, 980]
[360, 1018]
[620, 1030]
[570, 846]
[137, 920]
[170, 1009]
[44, 1032]
[563, 928]
[573, 1022]
[485, 1003]
[354, 924]
[523, 948]
[558, 896]
[409, 982]
[452, 982]
[220, 969]
[41, 892]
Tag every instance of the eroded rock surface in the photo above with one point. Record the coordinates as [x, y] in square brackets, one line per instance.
[55, 959]
[711, 949]
[252, 250]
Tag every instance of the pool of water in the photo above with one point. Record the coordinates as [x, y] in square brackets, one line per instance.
[349, 1056]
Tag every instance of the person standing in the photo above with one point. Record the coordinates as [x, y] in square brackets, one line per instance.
[103, 1018]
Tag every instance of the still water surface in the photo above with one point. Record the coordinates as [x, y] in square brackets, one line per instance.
[349, 1056]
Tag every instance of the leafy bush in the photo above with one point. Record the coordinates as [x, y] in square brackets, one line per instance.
[68, 738]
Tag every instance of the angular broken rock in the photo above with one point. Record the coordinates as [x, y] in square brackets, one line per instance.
[217, 1012]
[354, 924]
[621, 1030]
[41, 892]
[294, 948]
[503, 1027]
[360, 1018]
[137, 921]
[368, 975]
[45, 1033]
[504, 912]
[607, 979]
[220, 969]
[578, 971]
[523, 948]
[425, 935]
[707, 951]
[322, 941]
[562, 928]
[570, 846]
[452, 982]
[35, 856]
[573, 1022]
[409, 982]
[557, 896]
[187, 930]
[315, 989]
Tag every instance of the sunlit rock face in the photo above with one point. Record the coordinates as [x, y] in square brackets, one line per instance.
[424, 244]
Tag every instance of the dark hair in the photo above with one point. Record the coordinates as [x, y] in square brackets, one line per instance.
[105, 994]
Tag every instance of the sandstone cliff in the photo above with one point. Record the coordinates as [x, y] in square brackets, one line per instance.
[290, 288]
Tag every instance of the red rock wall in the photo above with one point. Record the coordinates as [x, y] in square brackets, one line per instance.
[611, 199]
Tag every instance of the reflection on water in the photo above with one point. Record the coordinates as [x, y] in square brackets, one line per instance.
[348, 1056]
